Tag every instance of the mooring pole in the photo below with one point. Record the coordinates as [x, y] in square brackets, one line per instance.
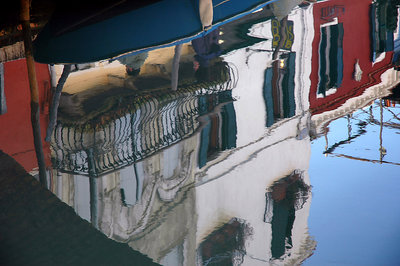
[26, 31]
[55, 102]
[175, 67]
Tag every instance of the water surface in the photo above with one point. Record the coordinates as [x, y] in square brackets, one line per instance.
[267, 140]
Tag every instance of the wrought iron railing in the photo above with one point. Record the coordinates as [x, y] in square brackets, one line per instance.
[152, 122]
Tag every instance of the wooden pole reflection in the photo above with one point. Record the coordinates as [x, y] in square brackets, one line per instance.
[34, 91]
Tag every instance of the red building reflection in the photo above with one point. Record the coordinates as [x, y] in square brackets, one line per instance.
[16, 137]
[351, 49]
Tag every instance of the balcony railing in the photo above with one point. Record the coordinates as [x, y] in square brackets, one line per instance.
[151, 123]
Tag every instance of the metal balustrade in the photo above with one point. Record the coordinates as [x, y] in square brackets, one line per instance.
[153, 122]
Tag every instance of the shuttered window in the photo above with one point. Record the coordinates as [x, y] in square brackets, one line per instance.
[330, 59]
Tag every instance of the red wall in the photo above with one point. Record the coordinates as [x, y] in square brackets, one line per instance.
[16, 137]
[356, 45]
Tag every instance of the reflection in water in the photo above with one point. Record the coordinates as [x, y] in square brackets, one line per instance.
[284, 198]
[217, 172]
[378, 117]
[220, 130]
[155, 152]
[226, 245]
[83, 41]
[279, 89]
[133, 63]
[146, 126]
[37, 228]
[331, 60]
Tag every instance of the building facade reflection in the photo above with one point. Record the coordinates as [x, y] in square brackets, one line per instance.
[367, 71]
[177, 173]
[342, 68]
[17, 139]
[217, 171]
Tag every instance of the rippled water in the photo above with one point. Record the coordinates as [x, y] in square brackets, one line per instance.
[353, 212]
[278, 144]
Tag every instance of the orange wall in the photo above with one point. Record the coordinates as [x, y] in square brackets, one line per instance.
[16, 137]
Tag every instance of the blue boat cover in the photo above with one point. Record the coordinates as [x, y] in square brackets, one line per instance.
[161, 24]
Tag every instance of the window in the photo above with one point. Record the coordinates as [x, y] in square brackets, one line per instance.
[226, 244]
[278, 89]
[219, 134]
[330, 59]
[383, 22]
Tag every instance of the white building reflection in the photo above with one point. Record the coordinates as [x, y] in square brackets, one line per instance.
[206, 196]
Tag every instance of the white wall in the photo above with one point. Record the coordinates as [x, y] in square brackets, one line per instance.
[234, 184]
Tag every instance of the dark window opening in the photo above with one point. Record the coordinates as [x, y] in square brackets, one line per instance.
[330, 60]
[383, 23]
[278, 89]
[283, 199]
[225, 245]
[220, 132]
[3, 105]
